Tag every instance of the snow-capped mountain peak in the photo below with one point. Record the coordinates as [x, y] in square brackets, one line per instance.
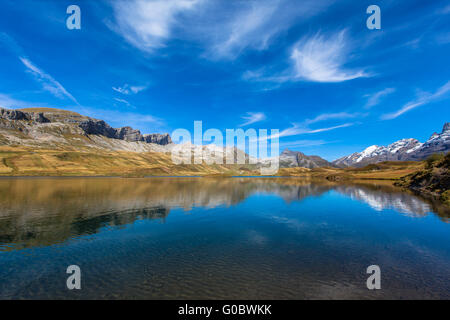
[369, 152]
[406, 145]
[402, 150]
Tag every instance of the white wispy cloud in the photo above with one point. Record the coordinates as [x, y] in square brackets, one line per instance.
[124, 102]
[254, 24]
[266, 75]
[296, 129]
[245, 30]
[302, 129]
[137, 89]
[120, 90]
[333, 116]
[252, 117]
[375, 98]
[10, 44]
[303, 143]
[317, 58]
[224, 29]
[422, 100]
[147, 24]
[322, 59]
[48, 82]
[127, 89]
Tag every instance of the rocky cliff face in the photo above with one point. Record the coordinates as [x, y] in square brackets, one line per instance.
[37, 117]
[402, 150]
[100, 127]
[162, 139]
[44, 126]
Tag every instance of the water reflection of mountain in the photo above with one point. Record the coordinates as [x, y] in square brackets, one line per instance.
[378, 195]
[48, 211]
[59, 228]
[380, 200]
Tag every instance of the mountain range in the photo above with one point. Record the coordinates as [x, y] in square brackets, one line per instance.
[60, 129]
[402, 150]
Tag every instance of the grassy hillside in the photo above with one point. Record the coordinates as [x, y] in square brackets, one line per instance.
[381, 171]
[22, 161]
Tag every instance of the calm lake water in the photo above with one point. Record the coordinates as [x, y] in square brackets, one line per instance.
[228, 238]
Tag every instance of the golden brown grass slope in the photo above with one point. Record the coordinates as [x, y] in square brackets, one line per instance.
[23, 161]
[390, 170]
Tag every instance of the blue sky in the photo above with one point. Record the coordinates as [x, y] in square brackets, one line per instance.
[310, 68]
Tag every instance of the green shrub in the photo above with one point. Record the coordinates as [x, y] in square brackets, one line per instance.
[446, 162]
[434, 159]
[445, 197]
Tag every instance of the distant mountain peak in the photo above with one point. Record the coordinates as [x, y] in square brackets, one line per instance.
[434, 135]
[446, 127]
[288, 151]
[290, 159]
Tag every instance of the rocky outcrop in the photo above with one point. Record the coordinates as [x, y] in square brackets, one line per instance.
[19, 115]
[129, 134]
[162, 139]
[433, 180]
[20, 121]
[12, 115]
[39, 118]
[98, 127]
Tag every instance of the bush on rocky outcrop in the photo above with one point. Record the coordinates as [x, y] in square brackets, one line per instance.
[434, 179]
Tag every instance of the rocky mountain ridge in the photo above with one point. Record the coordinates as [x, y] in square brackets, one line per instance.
[53, 125]
[402, 150]
[100, 127]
